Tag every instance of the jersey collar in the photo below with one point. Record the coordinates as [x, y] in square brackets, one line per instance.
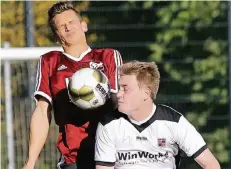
[145, 120]
[81, 55]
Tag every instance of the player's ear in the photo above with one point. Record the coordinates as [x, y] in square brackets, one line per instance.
[56, 38]
[84, 26]
[147, 93]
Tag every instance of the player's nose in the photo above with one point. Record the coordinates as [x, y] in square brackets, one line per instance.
[119, 94]
[67, 27]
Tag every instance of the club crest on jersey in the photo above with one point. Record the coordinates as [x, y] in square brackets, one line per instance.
[161, 142]
[95, 65]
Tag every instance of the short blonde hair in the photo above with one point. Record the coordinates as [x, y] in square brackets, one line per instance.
[147, 74]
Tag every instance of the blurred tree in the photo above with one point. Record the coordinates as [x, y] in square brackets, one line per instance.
[12, 23]
[191, 47]
[122, 25]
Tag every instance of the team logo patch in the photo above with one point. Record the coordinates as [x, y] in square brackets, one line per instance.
[161, 142]
[95, 65]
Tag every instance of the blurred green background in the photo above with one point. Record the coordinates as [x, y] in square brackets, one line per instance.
[187, 39]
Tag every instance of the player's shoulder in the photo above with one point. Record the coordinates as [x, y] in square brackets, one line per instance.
[105, 51]
[52, 54]
[164, 112]
[112, 116]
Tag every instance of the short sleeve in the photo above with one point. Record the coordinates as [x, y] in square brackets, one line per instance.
[188, 138]
[105, 151]
[42, 87]
[113, 61]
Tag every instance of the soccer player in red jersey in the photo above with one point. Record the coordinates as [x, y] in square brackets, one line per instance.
[76, 127]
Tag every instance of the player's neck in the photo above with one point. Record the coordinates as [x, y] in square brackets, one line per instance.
[143, 112]
[75, 50]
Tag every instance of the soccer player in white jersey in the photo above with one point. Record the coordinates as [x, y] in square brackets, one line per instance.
[142, 135]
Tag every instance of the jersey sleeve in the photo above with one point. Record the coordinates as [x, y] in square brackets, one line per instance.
[188, 138]
[42, 87]
[105, 151]
[113, 60]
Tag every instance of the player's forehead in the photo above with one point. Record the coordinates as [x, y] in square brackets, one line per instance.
[127, 80]
[65, 16]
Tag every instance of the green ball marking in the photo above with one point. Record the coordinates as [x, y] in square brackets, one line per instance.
[72, 91]
[86, 93]
[99, 77]
[74, 94]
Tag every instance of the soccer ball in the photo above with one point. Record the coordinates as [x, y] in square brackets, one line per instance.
[88, 88]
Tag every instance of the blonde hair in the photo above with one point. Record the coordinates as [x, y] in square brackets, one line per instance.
[147, 74]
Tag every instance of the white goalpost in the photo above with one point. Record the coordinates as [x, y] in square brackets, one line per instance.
[25, 53]
[19, 69]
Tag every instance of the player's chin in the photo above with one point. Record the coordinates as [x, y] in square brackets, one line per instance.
[122, 108]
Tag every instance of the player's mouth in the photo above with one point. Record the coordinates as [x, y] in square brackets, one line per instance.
[119, 102]
[70, 33]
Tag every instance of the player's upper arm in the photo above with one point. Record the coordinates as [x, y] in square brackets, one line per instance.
[112, 60]
[188, 139]
[42, 87]
[43, 108]
[207, 160]
[103, 167]
[105, 151]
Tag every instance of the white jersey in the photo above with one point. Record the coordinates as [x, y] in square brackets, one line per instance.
[154, 144]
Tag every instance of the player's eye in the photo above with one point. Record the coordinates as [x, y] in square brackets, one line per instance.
[121, 88]
[61, 27]
[72, 21]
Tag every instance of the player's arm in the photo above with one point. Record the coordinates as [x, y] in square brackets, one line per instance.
[207, 160]
[41, 117]
[39, 127]
[105, 149]
[113, 60]
[192, 143]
